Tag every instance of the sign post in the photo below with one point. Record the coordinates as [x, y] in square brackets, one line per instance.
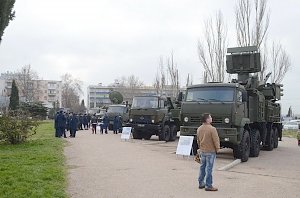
[126, 131]
[184, 146]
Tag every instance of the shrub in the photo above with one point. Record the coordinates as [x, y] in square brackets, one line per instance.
[16, 127]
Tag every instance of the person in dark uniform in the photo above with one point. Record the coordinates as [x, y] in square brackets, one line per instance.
[67, 121]
[61, 123]
[73, 125]
[55, 125]
[65, 125]
[85, 122]
[105, 123]
[89, 118]
[94, 122]
[120, 124]
[116, 124]
[79, 117]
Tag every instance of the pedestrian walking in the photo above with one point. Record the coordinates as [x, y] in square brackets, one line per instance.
[73, 125]
[209, 144]
[94, 122]
[116, 124]
[89, 117]
[85, 122]
[105, 123]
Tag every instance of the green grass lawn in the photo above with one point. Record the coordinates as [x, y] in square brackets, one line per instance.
[35, 168]
[290, 133]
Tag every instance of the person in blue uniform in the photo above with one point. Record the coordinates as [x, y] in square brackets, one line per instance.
[105, 123]
[85, 122]
[73, 125]
[61, 123]
[116, 124]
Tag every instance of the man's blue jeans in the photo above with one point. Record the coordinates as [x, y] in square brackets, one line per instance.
[206, 167]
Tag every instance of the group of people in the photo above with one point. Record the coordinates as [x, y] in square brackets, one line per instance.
[69, 122]
[73, 122]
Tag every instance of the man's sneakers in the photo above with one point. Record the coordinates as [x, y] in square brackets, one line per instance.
[211, 189]
[201, 187]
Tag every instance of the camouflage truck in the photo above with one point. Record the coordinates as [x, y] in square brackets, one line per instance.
[154, 115]
[245, 112]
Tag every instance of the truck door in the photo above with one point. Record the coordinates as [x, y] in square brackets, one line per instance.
[240, 105]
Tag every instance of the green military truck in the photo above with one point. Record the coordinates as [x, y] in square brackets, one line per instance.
[245, 112]
[154, 115]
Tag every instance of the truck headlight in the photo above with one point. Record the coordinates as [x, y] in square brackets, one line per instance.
[226, 120]
[186, 119]
[130, 120]
[152, 121]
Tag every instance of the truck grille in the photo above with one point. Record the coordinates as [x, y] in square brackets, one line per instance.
[142, 119]
[197, 120]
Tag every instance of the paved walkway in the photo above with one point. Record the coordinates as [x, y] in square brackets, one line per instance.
[104, 166]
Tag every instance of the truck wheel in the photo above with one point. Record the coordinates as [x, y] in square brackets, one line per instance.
[136, 134]
[165, 134]
[255, 143]
[173, 135]
[275, 137]
[147, 136]
[270, 140]
[242, 151]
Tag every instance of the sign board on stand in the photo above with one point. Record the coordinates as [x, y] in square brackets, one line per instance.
[184, 145]
[126, 133]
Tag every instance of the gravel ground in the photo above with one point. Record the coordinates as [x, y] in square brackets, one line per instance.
[105, 166]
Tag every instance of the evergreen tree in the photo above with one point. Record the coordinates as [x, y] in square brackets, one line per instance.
[82, 107]
[6, 14]
[14, 97]
[290, 112]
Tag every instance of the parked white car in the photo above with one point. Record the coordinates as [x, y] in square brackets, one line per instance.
[291, 126]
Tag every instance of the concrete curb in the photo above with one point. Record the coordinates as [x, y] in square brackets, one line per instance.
[231, 165]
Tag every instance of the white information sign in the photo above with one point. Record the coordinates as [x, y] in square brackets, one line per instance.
[126, 133]
[184, 145]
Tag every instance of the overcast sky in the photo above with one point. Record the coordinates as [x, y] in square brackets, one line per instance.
[101, 40]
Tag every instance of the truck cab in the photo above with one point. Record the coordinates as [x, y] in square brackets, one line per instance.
[152, 115]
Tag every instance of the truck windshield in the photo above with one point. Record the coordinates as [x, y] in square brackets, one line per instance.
[204, 94]
[144, 102]
[115, 109]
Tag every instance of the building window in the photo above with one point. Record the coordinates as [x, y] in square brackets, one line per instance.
[92, 105]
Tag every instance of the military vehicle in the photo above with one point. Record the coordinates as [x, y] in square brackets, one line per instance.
[117, 110]
[245, 111]
[154, 115]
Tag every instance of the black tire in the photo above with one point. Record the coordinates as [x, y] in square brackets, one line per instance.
[270, 140]
[255, 143]
[165, 134]
[136, 134]
[147, 136]
[173, 135]
[275, 137]
[242, 151]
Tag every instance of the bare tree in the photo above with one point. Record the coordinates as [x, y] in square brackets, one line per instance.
[174, 74]
[160, 78]
[280, 63]
[252, 29]
[212, 50]
[28, 84]
[134, 82]
[71, 91]
[189, 80]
